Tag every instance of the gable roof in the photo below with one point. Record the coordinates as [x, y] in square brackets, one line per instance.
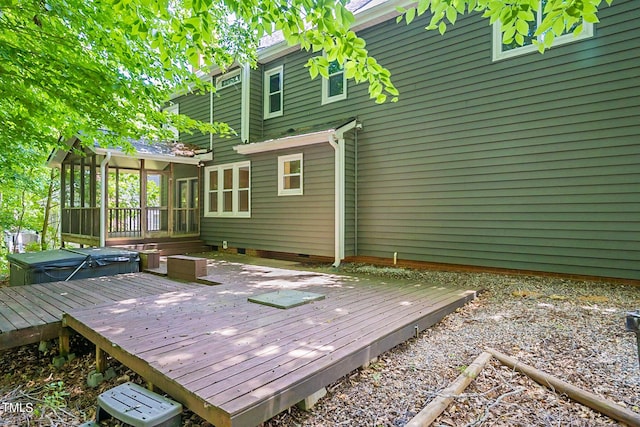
[164, 151]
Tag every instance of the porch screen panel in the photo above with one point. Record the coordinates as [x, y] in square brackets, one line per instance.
[157, 202]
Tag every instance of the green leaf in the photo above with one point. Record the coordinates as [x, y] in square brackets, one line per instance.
[548, 39]
[313, 69]
[442, 27]
[410, 15]
[423, 5]
[522, 27]
[590, 18]
[452, 15]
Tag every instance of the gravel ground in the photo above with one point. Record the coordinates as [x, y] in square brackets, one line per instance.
[571, 329]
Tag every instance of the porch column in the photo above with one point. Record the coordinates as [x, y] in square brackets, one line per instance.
[170, 200]
[104, 167]
[143, 200]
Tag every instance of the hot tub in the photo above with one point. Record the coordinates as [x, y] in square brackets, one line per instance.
[70, 264]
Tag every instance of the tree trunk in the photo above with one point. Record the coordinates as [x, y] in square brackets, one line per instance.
[19, 230]
[47, 211]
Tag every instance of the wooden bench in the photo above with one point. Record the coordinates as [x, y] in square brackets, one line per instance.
[185, 267]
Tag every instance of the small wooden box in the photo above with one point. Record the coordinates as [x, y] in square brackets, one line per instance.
[185, 267]
[149, 259]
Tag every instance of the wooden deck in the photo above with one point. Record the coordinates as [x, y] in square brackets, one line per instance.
[33, 313]
[237, 363]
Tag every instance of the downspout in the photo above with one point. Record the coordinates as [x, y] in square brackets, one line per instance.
[337, 198]
[337, 141]
[103, 196]
[355, 179]
[246, 101]
[213, 82]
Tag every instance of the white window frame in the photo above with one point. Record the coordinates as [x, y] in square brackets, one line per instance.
[219, 169]
[173, 109]
[234, 76]
[267, 98]
[281, 175]
[326, 99]
[498, 53]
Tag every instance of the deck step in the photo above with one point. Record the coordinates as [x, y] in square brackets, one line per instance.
[139, 407]
[170, 248]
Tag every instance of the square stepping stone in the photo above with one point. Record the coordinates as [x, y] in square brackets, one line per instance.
[286, 298]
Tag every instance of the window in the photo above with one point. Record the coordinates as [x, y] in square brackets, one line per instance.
[290, 175]
[273, 93]
[502, 51]
[228, 79]
[335, 87]
[173, 109]
[228, 190]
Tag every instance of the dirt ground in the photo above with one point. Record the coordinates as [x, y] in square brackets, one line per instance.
[571, 329]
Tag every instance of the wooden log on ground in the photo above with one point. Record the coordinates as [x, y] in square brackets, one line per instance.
[440, 403]
[591, 400]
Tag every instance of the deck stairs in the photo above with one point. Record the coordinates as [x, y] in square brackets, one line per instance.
[170, 247]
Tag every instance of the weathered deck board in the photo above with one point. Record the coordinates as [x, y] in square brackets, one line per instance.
[238, 363]
[32, 313]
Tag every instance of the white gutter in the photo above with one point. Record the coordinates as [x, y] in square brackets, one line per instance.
[283, 143]
[104, 198]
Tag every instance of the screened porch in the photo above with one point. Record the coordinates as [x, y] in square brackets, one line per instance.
[111, 198]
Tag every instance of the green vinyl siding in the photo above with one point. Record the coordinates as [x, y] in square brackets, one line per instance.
[528, 163]
[196, 106]
[350, 244]
[255, 107]
[227, 107]
[295, 224]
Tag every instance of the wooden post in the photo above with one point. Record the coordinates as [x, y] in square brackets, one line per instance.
[93, 183]
[101, 360]
[143, 200]
[63, 341]
[72, 184]
[591, 400]
[440, 403]
[170, 200]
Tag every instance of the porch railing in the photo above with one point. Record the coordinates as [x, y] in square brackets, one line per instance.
[124, 222]
[127, 222]
[81, 221]
[157, 219]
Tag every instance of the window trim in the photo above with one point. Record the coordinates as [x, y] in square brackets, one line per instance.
[228, 76]
[173, 109]
[266, 94]
[326, 99]
[234, 213]
[498, 54]
[290, 191]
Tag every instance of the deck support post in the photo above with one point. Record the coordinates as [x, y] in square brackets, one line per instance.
[101, 360]
[63, 341]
